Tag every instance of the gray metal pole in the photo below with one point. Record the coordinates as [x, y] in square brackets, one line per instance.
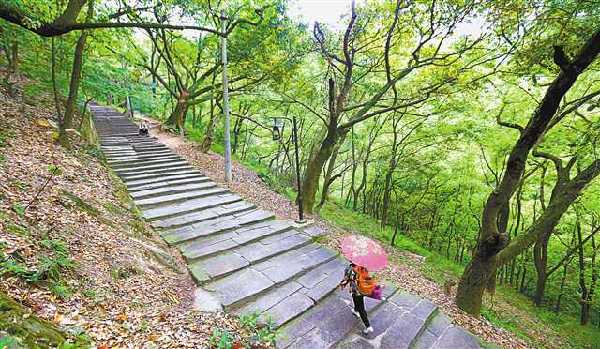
[225, 97]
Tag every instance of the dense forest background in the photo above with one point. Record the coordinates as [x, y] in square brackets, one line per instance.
[477, 146]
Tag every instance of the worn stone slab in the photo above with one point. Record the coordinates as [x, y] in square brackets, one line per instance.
[149, 176]
[239, 285]
[155, 172]
[385, 316]
[206, 302]
[218, 265]
[405, 300]
[357, 342]
[269, 299]
[206, 250]
[265, 228]
[287, 309]
[222, 220]
[334, 268]
[289, 264]
[402, 333]
[145, 168]
[321, 327]
[173, 188]
[188, 195]
[424, 310]
[183, 228]
[189, 206]
[165, 181]
[425, 340]
[314, 231]
[262, 249]
[203, 246]
[323, 288]
[438, 324]
[456, 337]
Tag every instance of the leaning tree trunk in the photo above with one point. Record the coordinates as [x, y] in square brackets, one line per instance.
[482, 267]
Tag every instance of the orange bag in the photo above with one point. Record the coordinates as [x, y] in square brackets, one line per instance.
[366, 284]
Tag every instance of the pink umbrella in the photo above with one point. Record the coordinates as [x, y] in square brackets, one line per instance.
[363, 251]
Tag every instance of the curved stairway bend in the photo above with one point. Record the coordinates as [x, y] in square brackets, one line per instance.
[246, 260]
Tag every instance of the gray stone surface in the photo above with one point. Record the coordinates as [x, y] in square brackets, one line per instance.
[270, 299]
[224, 219]
[262, 249]
[154, 172]
[287, 309]
[188, 195]
[206, 302]
[239, 285]
[173, 188]
[218, 265]
[186, 226]
[162, 181]
[144, 168]
[157, 176]
[207, 245]
[457, 338]
[402, 333]
[190, 206]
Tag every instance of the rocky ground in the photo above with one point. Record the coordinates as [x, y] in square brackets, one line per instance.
[74, 252]
[404, 268]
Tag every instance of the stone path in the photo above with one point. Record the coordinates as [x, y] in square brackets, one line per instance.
[246, 260]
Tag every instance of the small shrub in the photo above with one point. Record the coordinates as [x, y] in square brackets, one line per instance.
[221, 339]
[61, 290]
[18, 208]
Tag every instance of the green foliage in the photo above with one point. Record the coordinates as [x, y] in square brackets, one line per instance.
[18, 208]
[221, 339]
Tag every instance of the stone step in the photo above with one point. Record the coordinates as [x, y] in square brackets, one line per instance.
[182, 167]
[189, 206]
[146, 148]
[121, 154]
[207, 246]
[136, 161]
[164, 182]
[329, 322]
[144, 168]
[134, 178]
[230, 260]
[440, 333]
[173, 188]
[251, 282]
[216, 220]
[179, 197]
[293, 298]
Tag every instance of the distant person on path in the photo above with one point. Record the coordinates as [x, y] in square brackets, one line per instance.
[143, 128]
[351, 277]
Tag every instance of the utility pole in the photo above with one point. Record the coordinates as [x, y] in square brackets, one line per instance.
[225, 97]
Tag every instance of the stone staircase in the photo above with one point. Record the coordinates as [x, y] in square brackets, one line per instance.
[245, 260]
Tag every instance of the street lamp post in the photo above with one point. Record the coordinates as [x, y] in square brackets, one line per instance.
[278, 126]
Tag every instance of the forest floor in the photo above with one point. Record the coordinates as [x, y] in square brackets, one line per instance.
[406, 269]
[75, 253]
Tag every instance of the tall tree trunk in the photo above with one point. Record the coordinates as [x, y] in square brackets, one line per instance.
[482, 267]
[329, 178]
[177, 117]
[310, 183]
